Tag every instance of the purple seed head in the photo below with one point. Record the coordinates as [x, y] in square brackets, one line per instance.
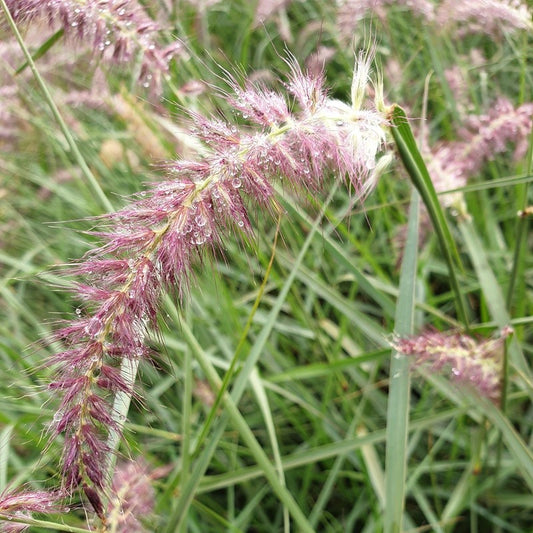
[116, 31]
[133, 497]
[21, 504]
[151, 245]
[471, 362]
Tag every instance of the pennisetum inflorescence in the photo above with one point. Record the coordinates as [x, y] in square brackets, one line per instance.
[149, 245]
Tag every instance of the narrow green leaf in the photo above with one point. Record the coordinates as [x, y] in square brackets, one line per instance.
[515, 444]
[179, 512]
[42, 49]
[418, 173]
[398, 402]
[492, 292]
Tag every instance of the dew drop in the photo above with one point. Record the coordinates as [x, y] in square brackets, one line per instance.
[78, 311]
[74, 24]
[236, 183]
[240, 223]
[200, 221]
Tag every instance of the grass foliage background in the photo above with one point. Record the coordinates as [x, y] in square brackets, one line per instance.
[317, 399]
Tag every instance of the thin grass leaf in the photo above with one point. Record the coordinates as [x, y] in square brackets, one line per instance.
[518, 449]
[399, 388]
[492, 293]
[262, 400]
[417, 171]
[5, 448]
[188, 490]
[80, 160]
[42, 49]
[233, 415]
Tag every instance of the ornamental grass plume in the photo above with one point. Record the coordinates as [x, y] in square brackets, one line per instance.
[18, 505]
[491, 17]
[150, 245]
[471, 362]
[116, 30]
[482, 137]
[351, 12]
[133, 496]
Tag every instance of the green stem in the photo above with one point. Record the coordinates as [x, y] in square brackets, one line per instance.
[89, 176]
[187, 416]
[121, 406]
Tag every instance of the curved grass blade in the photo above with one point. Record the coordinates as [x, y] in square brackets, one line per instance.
[418, 173]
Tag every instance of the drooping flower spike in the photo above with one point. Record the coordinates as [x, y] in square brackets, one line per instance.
[117, 31]
[471, 362]
[150, 245]
[20, 504]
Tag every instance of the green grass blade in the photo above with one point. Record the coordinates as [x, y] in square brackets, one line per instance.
[188, 490]
[518, 449]
[492, 292]
[418, 173]
[89, 176]
[262, 400]
[247, 435]
[398, 402]
[42, 49]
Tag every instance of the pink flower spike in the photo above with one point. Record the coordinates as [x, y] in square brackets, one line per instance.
[152, 245]
[21, 504]
[473, 363]
[117, 31]
[485, 16]
[133, 497]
